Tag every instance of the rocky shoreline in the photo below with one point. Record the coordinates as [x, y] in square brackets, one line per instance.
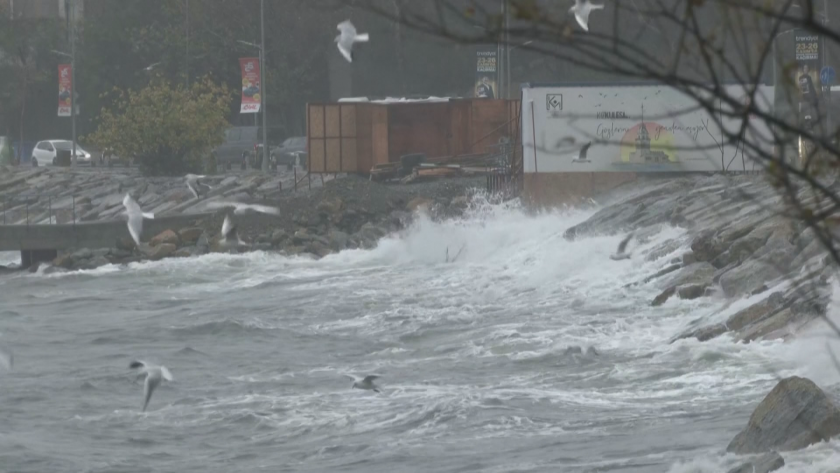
[345, 213]
[740, 244]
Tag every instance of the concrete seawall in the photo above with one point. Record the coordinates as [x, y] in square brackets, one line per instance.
[42, 242]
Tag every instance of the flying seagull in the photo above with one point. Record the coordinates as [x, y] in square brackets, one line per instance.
[347, 37]
[240, 208]
[154, 375]
[367, 383]
[620, 254]
[135, 217]
[582, 154]
[582, 9]
[229, 233]
[196, 186]
[7, 358]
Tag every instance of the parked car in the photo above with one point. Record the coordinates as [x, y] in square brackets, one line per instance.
[288, 152]
[241, 143]
[45, 152]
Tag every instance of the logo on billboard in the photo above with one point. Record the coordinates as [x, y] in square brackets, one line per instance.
[553, 102]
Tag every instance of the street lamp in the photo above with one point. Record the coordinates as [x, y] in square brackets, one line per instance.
[261, 48]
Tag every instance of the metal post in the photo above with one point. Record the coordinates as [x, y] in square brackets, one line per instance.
[49, 208]
[507, 51]
[295, 168]
[73, 104]
[74, 210]
[262, 87]
[187, 57]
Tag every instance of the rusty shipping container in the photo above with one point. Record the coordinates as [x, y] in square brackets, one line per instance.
[355, 136]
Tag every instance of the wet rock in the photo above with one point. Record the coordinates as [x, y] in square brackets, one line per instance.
[765, 327]
[666, 270]
[317, 248]
[92, 263]
[301, 237]
[705, 333]
[278, 237]
[664, 296]
[189, 236]
[125, 244]
[82, 254]
[419, 204]
[338, 240]
[165, 237]
[706, 247]
[330, 206]
[794, 415]
[697, 273]
[752, 274]
[161, 251]
[64, 261]
[203, 244]
[688, 258]
[691, 291]
[184, 252]
[764, 464]
[755, 312]
[101, 252]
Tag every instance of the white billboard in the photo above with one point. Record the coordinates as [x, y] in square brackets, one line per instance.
[633, 129]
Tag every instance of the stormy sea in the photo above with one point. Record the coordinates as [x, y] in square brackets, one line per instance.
[527, 353]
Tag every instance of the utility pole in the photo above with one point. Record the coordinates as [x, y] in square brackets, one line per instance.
[262, 87]
[187, 56]
[73, 105]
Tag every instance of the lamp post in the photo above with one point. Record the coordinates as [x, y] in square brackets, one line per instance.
[261, 48]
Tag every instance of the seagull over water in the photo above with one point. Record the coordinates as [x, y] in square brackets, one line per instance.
[367, 383]
[620, 254]
[347, 37]
[196, 186]
[582, 9]
[240, 208]
[7, 358]
[229, 234]
[135, 217]
[154, 376]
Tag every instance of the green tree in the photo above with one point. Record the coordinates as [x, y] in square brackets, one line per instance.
[168, 129]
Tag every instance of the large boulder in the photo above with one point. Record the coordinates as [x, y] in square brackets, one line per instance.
[697, 273]
[190, 235]
[752, 274]
[795, 415]
[755, 312]
[419, 203]
[764, 464]
[161, 251]
[165, 237]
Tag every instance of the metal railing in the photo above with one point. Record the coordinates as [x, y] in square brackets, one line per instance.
[29, 209]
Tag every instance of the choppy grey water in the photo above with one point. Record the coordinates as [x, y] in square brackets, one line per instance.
[484, 362]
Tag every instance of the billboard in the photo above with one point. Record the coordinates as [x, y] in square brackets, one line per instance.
[807, 47]
[251, 85]
[65, 96]
[486, 78]
[633, 129]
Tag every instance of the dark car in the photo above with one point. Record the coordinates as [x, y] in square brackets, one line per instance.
[290, 151]
[240, 145]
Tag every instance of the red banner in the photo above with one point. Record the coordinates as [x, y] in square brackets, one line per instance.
[251, 86]
[65, 96]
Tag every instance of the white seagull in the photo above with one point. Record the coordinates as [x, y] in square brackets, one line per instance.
[135, 217]
[620, 254]
[229, 233]
[154, 376]
[240, 208]
[7, 358]
[367, 383]
[582, 9]
[582, 154]
[347, 37]
[196, 186]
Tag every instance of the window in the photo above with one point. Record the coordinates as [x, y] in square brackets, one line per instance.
[63, 145]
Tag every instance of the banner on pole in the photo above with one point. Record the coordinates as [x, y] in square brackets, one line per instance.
[808, 61]
[251, 85]
[486, 74]
[65, 85]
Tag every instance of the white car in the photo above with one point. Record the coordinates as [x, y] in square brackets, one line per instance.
[44, 152]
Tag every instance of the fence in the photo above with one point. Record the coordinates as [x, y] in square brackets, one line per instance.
[32, 210]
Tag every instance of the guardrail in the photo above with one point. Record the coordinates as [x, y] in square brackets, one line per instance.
[11, 206]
